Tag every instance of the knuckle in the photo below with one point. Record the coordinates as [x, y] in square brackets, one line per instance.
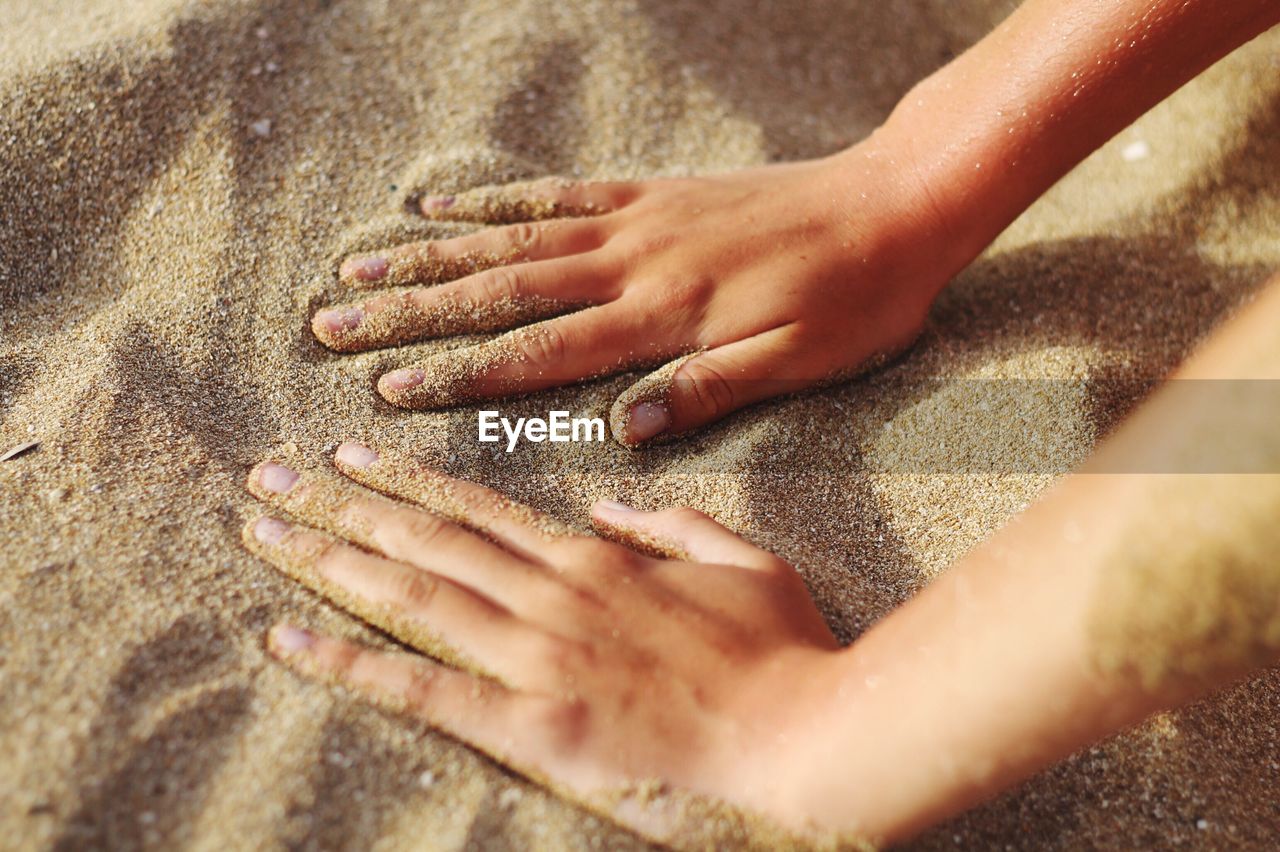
[541, 346]
[587, 551]
[524, 237]
[321, 552]
[421, 689]
[707, 387]
[587, 556]
[585, 235]
[343, 659]
[354, 513]
[414, 589]
[565, 723]
[502, 283]
[621, 192]
[649, 245]
[554, 655]
[424, 529]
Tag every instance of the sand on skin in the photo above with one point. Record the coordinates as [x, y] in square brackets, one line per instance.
[161, 255]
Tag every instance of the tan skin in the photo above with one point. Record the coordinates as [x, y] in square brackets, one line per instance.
[615, 667]
[594, 668]
[817, 291]
[713, 672]
[794, 274]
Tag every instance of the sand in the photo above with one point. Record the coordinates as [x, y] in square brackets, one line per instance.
[180, 182]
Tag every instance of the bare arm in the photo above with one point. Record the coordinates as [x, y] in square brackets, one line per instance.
[615, 670]
[998, 126]
[782, 277]
[1117, 595]
[676, 695]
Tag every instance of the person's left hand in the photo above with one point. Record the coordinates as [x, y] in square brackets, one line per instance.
[643, 687]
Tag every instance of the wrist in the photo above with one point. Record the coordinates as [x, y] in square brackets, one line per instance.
[970, 174]
[825, 769]
[907, 224]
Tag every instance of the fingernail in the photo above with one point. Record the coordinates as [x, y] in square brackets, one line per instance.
[269, 530]
[438, 202]
[613, 506]
[340, 320]
[288, 639]
[403, 379]
[365, 268]
[277, 478]
[646, 420]
[356, 455]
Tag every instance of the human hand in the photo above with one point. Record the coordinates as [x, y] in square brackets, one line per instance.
[650, 689]
[771, 280]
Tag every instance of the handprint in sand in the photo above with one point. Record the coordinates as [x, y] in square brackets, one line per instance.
[746, 286]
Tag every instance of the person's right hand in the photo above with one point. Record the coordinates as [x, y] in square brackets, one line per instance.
[771, 280]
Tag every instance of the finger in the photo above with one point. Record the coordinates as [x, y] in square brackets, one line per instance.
[681, 533]
[536, 735]
[587, 344]
[421, 609]
[403, 533]
[701, 388]
[548, 198]
[438, 261]
[513, 525]
[483, 713]
[498, 299]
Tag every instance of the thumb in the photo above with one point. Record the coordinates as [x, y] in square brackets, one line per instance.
[700, 388]
[683, 534]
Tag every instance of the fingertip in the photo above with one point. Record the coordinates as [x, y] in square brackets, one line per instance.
[645, 421]
[403, 389]
[336, 321]
[276, 478]
[265, 530]
[355, 455]
[368, 268]
[286, 640]
[398, 381]
[270, 478]
[432, 205]
[254, 476]
[320, 328]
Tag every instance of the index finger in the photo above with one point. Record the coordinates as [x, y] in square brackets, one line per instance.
[591, 343]
[516, 526]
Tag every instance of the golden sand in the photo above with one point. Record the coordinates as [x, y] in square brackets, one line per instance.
[181, 181]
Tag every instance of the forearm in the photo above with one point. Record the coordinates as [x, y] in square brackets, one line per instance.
[1117, 595]
[994, 129]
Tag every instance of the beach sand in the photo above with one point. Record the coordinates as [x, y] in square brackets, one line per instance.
[179, 182]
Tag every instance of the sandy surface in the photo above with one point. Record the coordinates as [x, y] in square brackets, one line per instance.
[178, 181]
